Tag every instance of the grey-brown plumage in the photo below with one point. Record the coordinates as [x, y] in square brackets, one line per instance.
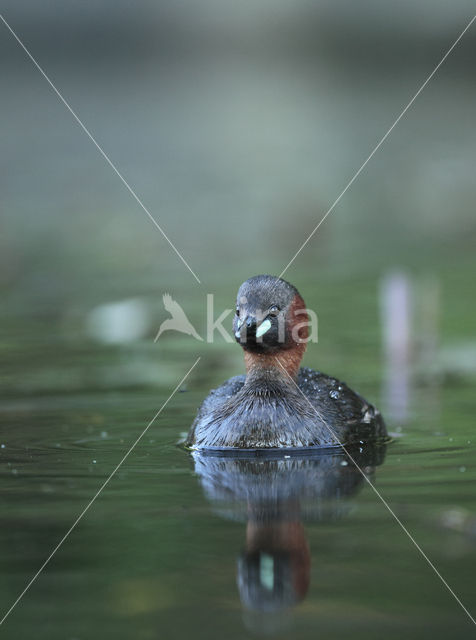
[277, 404]
[275, 414]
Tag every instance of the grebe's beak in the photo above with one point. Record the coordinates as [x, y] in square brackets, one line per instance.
[245, 327]
[249, 328]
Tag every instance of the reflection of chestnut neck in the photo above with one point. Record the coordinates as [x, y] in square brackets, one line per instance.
[270, 366]
[285, 536]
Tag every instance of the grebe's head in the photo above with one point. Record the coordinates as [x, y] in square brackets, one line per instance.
[270, 316]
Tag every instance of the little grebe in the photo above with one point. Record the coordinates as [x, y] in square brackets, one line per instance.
[278, 404]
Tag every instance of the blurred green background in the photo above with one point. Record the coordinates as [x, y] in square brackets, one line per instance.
[237, 124]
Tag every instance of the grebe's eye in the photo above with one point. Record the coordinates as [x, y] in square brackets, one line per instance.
[273, 310]
[237, 311]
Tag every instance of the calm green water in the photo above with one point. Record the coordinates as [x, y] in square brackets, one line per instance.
[166, 552]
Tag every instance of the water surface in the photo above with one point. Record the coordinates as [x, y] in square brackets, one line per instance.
[159, 554]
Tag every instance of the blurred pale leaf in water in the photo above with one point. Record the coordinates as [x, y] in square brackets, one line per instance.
[119, 322]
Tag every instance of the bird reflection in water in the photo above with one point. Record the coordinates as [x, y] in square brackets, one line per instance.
[275, 496]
